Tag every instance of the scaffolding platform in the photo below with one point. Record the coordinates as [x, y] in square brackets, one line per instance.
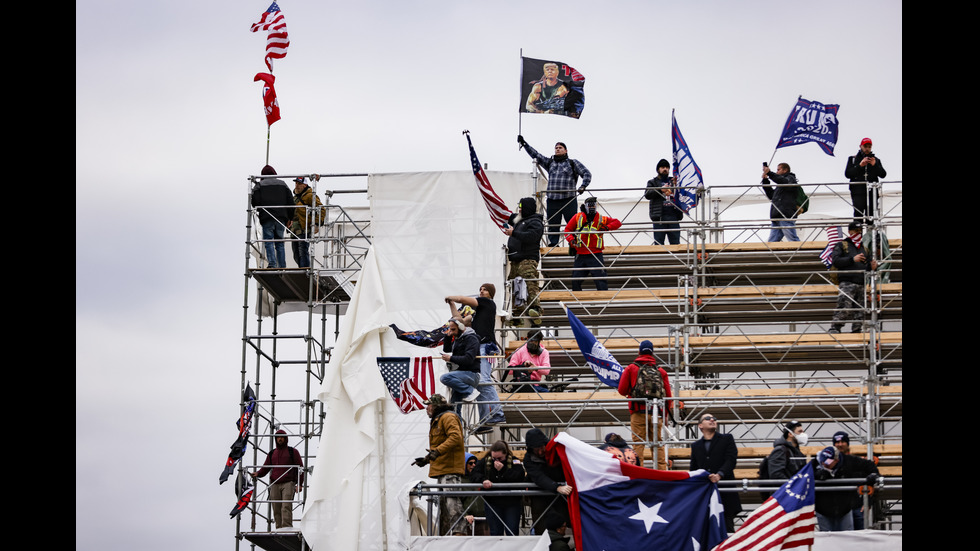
[277, 541]
[297, 285]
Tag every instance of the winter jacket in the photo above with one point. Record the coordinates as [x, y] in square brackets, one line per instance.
[277, 199]
[628, 380]
[658, 202]
[466, 348]
[783, 197]
[446, 443]
[850, 270]
[785, 459]
[525, 242]
[586, 236]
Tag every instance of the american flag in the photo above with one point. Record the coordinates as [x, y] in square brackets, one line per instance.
[783, 521]
[834, 236]
[278, 40]
[410, 381]
[499, 212]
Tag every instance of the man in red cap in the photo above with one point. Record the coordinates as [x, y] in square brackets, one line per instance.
[863, 168]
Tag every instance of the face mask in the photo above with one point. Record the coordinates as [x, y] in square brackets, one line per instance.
[533, 349]
[802, 439]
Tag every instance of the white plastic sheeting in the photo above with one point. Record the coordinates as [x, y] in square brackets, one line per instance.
[432, 238]
[481, 543]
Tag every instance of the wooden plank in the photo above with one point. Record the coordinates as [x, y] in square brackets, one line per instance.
[815, 339]
[710, 247]
[705, 292]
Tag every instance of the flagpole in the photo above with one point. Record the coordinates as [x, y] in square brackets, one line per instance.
[798, 98]
[520, 83]
[268, 136]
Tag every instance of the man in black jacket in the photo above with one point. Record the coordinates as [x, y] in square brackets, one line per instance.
[863, 168]
[851, 259]
[273, 201]
[833, 508]
[545, 471]
[523, 251]
[784, 207]
[464, 380]
[716, 453]
[664, 215]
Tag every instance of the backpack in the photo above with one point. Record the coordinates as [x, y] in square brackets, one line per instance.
[802, 201]
[649, 383]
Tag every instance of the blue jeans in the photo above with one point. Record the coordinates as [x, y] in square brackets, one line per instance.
[783, 227]
[488, 392]
[301, 251]
[556, 210]
[668, 228]
[589, 264]
[840, 524]
[509, 523]
[275, 251]
[462, 383]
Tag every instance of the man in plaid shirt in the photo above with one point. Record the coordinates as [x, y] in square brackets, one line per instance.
[561, 193]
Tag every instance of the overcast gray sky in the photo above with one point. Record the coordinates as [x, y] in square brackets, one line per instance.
[169, 124]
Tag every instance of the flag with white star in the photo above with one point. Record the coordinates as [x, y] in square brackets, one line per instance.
[410, 381]
[620, 506]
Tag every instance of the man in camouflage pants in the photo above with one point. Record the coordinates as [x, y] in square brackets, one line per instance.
[523, 251]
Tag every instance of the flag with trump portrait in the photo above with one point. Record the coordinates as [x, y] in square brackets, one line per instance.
[811, 121]
[552, 87]
[616, 505]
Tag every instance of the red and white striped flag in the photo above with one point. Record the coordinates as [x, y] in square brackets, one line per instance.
[410, 381]
[499, 212]
[834, 236]
[783, 521]
[277, 41]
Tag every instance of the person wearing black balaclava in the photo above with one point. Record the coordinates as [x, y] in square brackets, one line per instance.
[664, 215]
[584, 235]
[523, 251]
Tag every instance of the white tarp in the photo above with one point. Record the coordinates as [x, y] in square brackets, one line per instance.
[432, 238]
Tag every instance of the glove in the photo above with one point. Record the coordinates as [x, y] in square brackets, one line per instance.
[872, 479]
[432, 455]
[520, 139]
[420, 461]
[581, 190]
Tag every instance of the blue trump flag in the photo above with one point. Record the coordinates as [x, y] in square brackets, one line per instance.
[811, 121]
[616, 505]
[603, 364]
[686, 171]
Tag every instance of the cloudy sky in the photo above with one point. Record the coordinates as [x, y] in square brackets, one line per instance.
[169, 125]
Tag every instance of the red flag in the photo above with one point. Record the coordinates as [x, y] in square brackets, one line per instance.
[269, 97]
[277, 41]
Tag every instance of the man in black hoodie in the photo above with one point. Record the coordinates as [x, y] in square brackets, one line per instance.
[863, 168]
[273, 201]
[523, 251]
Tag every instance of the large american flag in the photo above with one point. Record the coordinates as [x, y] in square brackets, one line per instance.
[499, 212]
[783, 521]
[410, 381]
[278, 39]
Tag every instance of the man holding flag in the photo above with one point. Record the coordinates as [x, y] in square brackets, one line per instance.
[563, 173]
